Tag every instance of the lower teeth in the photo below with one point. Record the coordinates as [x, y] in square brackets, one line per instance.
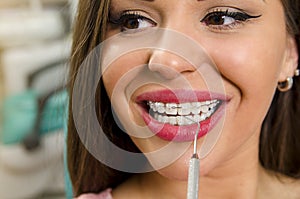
[181, 120]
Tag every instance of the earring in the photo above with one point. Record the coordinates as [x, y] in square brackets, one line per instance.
[286, 85]
[297, 72]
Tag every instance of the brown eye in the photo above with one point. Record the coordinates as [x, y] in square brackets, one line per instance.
[225, 18]
[129, 22]
[215, 19]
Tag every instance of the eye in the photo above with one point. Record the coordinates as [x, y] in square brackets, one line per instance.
[226, 18]
[133, 22]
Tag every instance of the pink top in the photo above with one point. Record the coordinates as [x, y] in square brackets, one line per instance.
[103, 195]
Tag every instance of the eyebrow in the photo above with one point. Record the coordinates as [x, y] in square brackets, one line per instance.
[264, 1]
[203, 0]
[197, 0]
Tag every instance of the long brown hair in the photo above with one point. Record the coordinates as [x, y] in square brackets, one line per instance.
[280, 135]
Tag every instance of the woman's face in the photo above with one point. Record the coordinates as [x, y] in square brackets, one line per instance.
[249, 45]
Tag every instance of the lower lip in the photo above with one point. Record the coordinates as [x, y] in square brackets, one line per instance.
[183, 133]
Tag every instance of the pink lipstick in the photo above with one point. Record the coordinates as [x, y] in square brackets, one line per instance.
[168, 114]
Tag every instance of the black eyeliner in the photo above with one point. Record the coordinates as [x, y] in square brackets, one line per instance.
[236, 15]
[242, 16]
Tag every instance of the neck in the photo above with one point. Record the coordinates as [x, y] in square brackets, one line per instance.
[236, 178]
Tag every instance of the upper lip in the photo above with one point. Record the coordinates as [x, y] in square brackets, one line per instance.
[180, 96]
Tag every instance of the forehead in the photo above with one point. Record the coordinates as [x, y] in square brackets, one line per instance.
[200, 5]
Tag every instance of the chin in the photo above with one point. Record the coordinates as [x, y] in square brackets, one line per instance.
[178, 170]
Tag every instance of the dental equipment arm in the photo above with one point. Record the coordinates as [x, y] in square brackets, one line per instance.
[193, 175]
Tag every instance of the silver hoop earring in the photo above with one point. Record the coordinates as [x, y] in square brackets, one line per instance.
[286, 85]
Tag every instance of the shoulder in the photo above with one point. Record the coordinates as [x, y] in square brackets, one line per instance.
[278, 186]
[290, 187]
[103, 195]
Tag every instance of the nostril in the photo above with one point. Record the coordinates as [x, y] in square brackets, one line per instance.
[163, 71]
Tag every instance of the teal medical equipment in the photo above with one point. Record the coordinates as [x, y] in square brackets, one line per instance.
[26, 114]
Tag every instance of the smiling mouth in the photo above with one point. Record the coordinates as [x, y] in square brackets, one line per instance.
[182, 114]
[172, 114]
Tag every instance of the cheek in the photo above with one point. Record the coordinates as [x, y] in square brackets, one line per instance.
[251, 65]
[251, 72]
[119, 69]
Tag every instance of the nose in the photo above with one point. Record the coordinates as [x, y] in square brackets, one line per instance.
[168, 65]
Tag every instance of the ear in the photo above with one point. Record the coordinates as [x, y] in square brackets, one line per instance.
[290, 63]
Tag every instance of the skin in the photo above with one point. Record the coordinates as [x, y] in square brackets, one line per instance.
[252, 57]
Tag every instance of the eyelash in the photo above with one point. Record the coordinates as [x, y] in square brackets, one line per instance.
[121, 20]
[238, 17]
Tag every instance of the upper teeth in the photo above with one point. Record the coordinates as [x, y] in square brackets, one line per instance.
[177, 114]
[183, 108]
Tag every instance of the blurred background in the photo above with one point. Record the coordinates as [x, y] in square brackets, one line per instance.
[35, 42]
